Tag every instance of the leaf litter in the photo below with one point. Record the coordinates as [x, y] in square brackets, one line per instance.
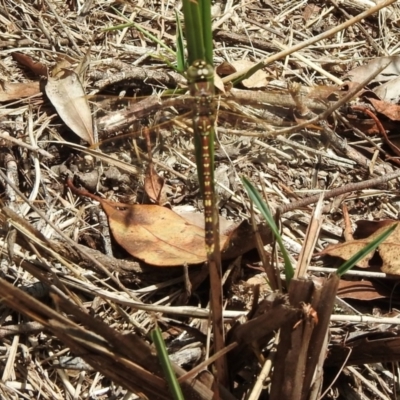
[67, 95]
[288, 169]
[154, 234]
[389, 250]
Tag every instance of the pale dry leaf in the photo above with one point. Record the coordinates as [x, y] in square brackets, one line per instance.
[18, 91]
[257, 80]
[218, 83]
[66, 93]
[389, 250]
[389, 91]
[190, 214]
[391, 71]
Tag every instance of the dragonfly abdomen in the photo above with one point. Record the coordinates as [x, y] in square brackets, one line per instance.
[200, 78]
[208, 192]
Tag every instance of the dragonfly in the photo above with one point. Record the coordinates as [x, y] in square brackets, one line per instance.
[242, 118]
[268, 110]
[200, 77]
[237, 114]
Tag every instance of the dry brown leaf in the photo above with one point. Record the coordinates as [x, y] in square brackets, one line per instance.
[389, 250]
[311, 11]
[36, 67]
[225, 68]
[154, 186]
[392, 111]
[66, 93]
[362, 290]
[154, 234]
[18, 91]
[366, 228]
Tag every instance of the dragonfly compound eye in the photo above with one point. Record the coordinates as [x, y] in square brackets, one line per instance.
[199, 71]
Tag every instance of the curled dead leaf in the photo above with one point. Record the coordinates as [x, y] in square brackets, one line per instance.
[392, 111]
[154, 186]
[66, 93]
[362, 290]
[37, 68]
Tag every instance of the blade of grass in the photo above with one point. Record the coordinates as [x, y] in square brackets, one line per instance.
[130, 24]
[180, 45]
[265, 211]
[205, 6]
[194, 31]
[165, 362]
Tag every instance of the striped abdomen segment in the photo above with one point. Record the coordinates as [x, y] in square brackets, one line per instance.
[200, 78]
[208, 192]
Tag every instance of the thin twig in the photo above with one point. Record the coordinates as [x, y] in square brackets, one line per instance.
[351, 187]
[315, 39]
[66, 238]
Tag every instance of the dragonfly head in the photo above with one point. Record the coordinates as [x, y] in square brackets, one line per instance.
[200, 71]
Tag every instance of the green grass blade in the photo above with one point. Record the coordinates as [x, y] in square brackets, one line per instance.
[130, 24]
[194, 30]
[265, 211]
[289, 271]
[165, 362]
[180, 45]
[207, 30]
[351, 262]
